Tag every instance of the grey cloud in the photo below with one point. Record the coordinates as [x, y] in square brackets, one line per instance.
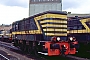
[14, 3]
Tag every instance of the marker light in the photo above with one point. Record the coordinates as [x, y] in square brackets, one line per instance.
[71, 38]
[58, 38]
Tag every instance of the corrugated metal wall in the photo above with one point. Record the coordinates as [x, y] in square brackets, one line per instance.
[42, 7]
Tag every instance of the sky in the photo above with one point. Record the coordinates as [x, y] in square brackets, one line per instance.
[13, 10]
[77, 6]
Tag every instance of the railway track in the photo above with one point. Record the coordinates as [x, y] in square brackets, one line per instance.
[16, 51]
[39, 57]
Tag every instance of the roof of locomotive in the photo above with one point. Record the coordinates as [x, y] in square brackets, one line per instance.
[77, 18]
[85, 17]
[52, 12]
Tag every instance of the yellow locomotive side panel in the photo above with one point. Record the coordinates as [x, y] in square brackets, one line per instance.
[84, 24]
[77, 31]
[56, 34]
[54, 25]
[56, 21]
[56, 16]
[50, 16]
[52, 29]
[30, 32]
[39, 29]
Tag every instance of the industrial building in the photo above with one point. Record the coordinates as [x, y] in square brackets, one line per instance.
[39, 6]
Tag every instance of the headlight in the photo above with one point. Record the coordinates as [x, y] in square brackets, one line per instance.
[58, 38]
[71, 38]
[64, 45]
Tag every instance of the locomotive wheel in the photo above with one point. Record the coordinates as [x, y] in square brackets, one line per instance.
[27, 49]
[21, 47]
[34, 49]
[15, 43]
[30, 50]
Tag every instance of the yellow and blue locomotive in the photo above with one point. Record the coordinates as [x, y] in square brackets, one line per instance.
[44, 33]
[80, 28]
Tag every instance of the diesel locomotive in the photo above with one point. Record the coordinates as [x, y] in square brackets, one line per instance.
[6, 35]
[44, 33]
[79, 27]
